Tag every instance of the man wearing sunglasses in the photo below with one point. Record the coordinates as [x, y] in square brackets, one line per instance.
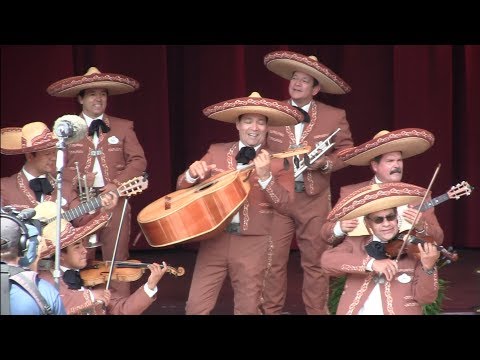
[385, 154]
[376, 284]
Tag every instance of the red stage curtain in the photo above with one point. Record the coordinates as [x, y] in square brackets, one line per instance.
[432, 87]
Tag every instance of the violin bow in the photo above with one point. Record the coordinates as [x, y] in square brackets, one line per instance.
[418, 212]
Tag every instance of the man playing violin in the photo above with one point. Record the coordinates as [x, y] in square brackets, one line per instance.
[97, 300]
[385, 154]
[243, 251]
[376, 284]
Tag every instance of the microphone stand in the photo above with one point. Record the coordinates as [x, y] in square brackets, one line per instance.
[61, 145]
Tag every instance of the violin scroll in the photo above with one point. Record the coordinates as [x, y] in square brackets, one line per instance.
[175, 272]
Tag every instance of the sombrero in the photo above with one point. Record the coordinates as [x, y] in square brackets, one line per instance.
[69, 235]
[32, 137]
[410, 141]
[285, 63]
[376, 197]
[277, 112]
[115, 84]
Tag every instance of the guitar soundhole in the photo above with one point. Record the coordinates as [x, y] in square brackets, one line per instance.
[206, 186]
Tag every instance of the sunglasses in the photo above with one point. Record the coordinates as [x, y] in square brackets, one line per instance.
[380, 219]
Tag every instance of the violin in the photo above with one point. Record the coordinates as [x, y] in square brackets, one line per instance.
[127, 271]
[392, 248]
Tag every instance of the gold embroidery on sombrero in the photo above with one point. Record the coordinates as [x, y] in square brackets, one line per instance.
[351, 202]
[391, 137]
[310, 62]
[250, 101]
[85, 79]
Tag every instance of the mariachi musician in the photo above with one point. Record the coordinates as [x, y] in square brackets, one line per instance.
[80, 299]
[376, 283]
[243, 251]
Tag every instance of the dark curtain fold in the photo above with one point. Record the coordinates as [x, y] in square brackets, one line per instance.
[431, 87]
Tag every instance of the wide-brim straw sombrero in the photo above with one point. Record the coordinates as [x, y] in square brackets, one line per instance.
[376, 197]
[116, 84]
[33, 137]
[410, 141]
[285, 63]
[277, 112]
[69, 235]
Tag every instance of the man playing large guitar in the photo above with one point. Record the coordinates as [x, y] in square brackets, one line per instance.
[385, 153]
[243, 251]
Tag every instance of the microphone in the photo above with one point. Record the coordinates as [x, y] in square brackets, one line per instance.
[26, 214]
[72, 128]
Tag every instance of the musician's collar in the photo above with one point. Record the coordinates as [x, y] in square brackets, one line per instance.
[89, 120]
[30, 176]
[375, 238]
[241, 145]
[305, 107]
[377, 180]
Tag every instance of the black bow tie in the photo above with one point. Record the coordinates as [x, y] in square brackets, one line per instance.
[40, 186]
[306, 117]
[95, 127]
[245, 154]
[72, 279]
[376, 250]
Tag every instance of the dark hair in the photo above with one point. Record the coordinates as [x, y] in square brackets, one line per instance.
[377, 158]
[82, 92]
[240, 117]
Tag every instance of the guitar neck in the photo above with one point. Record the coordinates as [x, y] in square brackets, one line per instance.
[83, 208]
[434, 202]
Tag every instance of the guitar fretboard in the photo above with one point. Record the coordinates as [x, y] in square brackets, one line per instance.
[434, 202]
[82, 209]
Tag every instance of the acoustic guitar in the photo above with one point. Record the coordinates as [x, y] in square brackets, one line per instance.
[46, 212]
[457, 191]
[201, 211]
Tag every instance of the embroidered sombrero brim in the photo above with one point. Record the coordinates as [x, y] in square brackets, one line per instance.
[376, 197]
[69, 235]
[285, 63]
[410, 142]
[116, 84]
[31, 138]
[278, 113]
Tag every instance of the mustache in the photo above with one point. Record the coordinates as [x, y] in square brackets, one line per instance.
[396, 170]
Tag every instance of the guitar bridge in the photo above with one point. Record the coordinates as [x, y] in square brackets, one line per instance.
[168, 202]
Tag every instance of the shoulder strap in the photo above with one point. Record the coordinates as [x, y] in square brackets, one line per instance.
[26, 279]
[5, 290]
